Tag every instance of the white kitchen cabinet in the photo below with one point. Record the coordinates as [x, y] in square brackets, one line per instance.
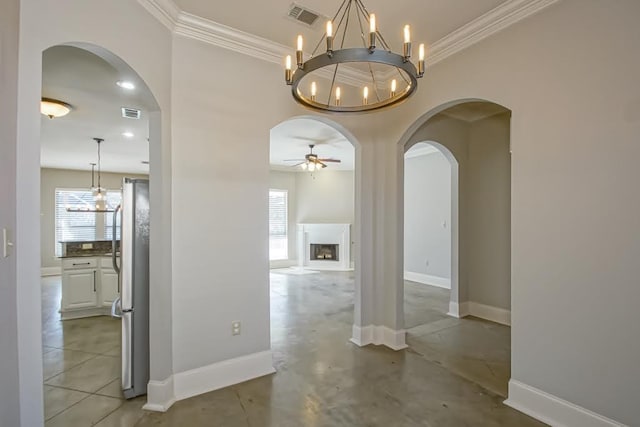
[108, 287]
[79, 289]
[89, 287]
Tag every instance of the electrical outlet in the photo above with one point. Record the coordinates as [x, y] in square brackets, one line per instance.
[235, 328]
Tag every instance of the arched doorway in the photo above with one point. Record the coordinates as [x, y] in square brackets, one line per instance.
[314, 274]
[473, 137]
[86, 76]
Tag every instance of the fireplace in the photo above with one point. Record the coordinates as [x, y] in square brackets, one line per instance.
[323, 252]
[324, 246]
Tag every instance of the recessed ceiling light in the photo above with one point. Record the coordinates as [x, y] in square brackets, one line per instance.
[126, 85]
[127, 134]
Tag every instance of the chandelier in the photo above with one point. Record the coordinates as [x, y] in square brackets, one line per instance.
[99, 193]
[354, 79]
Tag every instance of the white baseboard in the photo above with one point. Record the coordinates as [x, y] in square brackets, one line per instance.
[378, 335]
[427, 279]
[494, 314]
[458, 310]
[50, 271]
[222, 374]
[283, 263]
[160, 395]
[487, 312]
[552, 410]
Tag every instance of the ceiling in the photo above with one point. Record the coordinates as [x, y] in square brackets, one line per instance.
[291, 139]
[88, 83]
[430, 20]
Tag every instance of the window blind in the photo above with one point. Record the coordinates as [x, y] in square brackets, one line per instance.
[113, 200]
[73, 225]
[278, 241]
[78, 226]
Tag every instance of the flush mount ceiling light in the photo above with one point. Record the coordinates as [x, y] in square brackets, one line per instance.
[128, 134]
[384, 78]
[54, 108]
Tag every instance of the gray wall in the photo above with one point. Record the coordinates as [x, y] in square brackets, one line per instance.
[50, 179]
[10, 385]
[489, 219]
[427, 204]
[481, 149]
[325, 196]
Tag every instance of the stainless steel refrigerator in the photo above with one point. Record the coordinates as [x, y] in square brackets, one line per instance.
[133, 280]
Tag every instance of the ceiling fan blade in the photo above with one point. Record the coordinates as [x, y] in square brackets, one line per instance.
[294, 160]
[321, 164]
[298, 164]
[331, 160]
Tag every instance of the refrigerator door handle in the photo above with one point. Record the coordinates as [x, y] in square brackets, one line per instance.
[127, 350]
[116, 308]
[114, 259]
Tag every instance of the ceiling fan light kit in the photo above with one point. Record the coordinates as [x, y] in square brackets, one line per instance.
[382, 90]
[312, 162]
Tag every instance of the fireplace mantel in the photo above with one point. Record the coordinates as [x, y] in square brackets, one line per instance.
[324, 234]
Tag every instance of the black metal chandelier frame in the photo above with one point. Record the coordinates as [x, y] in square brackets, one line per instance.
[368, 54]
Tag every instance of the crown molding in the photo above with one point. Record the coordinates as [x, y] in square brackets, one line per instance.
[497, 19]
[165, 11]
[207, 31]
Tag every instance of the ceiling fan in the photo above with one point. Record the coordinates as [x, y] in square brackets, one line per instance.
[311, 161]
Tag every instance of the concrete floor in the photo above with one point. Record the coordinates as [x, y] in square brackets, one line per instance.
[322, 379]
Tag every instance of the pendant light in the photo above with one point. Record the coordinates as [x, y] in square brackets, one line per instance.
[99, 194]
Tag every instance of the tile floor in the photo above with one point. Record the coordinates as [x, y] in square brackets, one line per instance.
[453, 374]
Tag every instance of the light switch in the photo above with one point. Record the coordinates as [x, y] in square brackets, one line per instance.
[6, 243]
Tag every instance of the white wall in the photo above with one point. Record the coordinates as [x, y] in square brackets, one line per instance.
[52, 179]
[427, 217]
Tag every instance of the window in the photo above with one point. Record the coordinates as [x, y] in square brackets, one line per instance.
[278, 242]
[79, 226]
[113, 200]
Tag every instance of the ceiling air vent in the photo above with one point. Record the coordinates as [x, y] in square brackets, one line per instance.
[303, 15]
[130, 113]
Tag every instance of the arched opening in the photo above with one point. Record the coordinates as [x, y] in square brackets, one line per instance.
[83, 350]
[430, 232]
[314, 235]
[456, 202]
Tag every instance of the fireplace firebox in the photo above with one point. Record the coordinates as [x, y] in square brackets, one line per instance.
[324, 252]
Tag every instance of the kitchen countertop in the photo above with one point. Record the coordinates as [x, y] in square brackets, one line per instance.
[88, 255]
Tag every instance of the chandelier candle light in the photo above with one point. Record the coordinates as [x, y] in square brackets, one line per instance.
[369, 67]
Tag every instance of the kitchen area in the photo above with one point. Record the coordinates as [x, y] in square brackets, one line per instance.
[89, 278]
[94, 238]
